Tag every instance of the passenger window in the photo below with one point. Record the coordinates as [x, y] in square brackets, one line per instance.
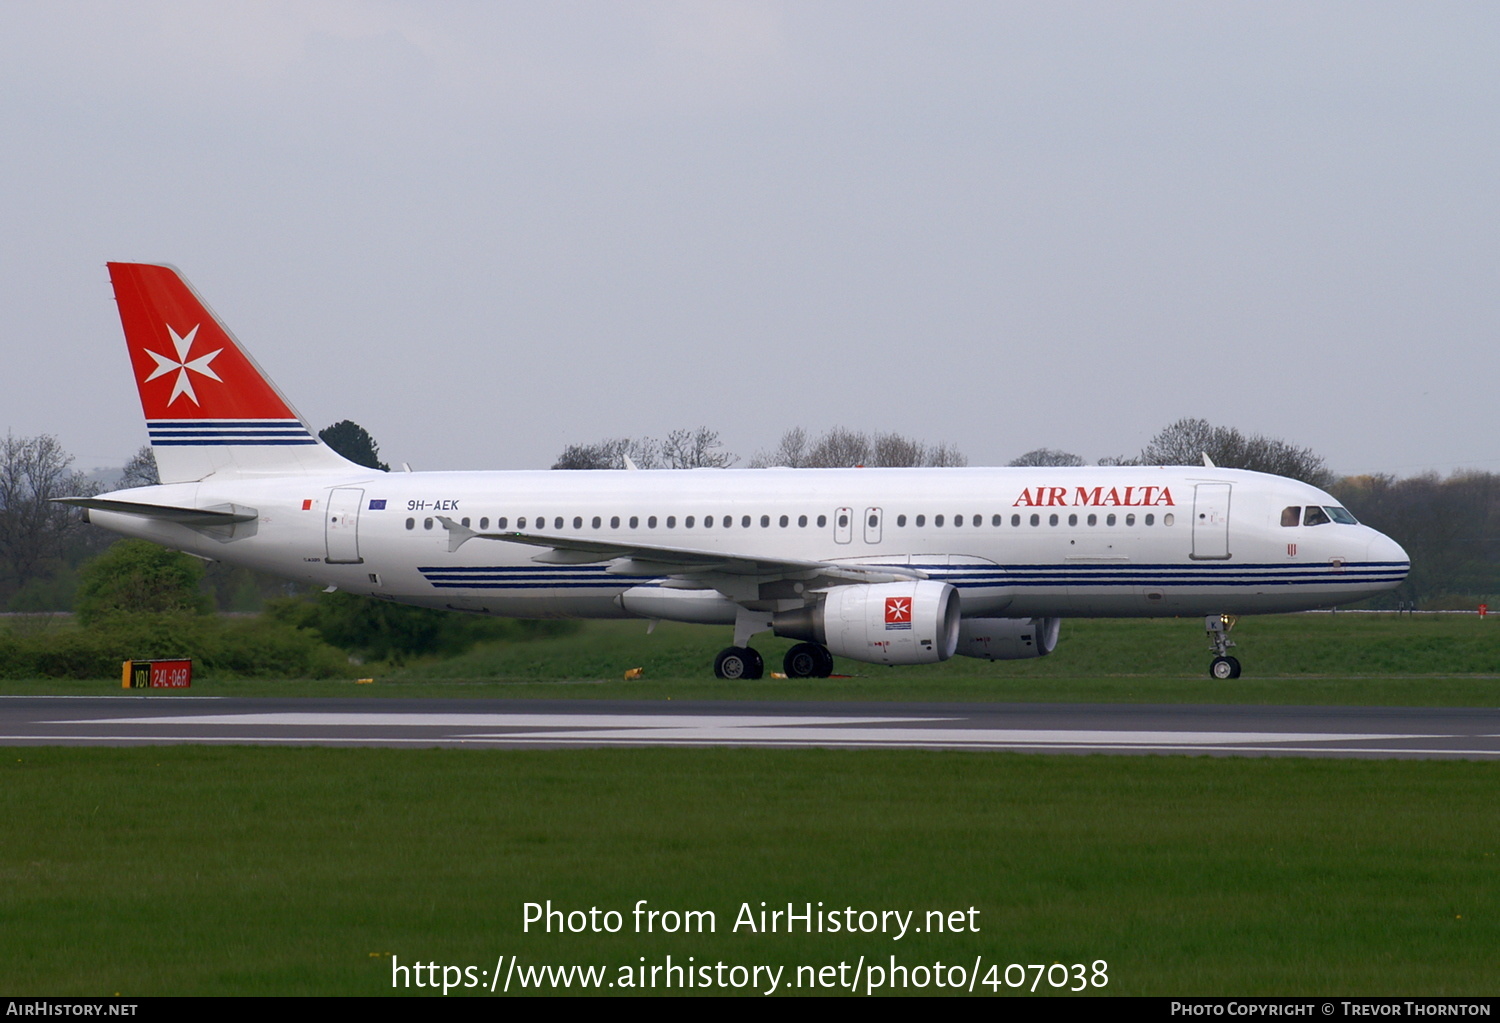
[784, 521]
[1093, 519]
[597, 522]
[822, 521]
[1109, 520]
[1015, 520]
[728, 521]
[484, 523]
[843, 521]
[1036, 520]
[557, 523]
[921, 520]
[802, 521]
[577, 522]
[411, 523]
[901, 520]
[1168, 519]
[1315, 516]
[651, 522]
[635, 521]
[1150, 519]
[671, 521]
[1130, 519]
[745, 521]
[614, 522]
[464, 522]
[937, 520]
[521, 522]
[426, 523]
[1073, 519]
[1291, 516]
[958, 520]
[687, 522]
[708, 522]
[979, 520]
[500, 522]
[1052, 519]
[997, 520]
[765, 521]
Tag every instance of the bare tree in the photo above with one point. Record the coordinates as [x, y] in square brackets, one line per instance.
[791, 452]
[945, 455]
[34, 530]
[695, 449]
[1047, 456]
[141, 471]
[891, 450]
[1186, 441]
[644, 452]
[841, 447]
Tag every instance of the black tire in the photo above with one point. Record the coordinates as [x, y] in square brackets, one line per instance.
[738, 662]
[1234, 664]
[808, 660]
[1224, 668]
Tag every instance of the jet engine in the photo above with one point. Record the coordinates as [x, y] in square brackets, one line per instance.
[1008, 639]
[912, 622]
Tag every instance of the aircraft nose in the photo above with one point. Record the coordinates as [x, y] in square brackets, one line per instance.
[1383, 549]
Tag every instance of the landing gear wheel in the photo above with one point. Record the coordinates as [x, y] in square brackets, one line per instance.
[738, 662]
[1225, 668]
[808, 660]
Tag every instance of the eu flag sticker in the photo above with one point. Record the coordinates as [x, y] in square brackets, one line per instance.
[377, 504]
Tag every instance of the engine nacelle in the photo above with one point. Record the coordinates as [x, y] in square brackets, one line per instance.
[914, 622]
[1008, 639]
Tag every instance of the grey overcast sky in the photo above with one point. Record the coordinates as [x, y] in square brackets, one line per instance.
[486, 230]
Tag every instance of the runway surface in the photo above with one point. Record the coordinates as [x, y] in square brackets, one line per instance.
[127, 720]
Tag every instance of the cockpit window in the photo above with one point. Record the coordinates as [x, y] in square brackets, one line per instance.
[1291, 516]
[1342, 516]
[1315, 516]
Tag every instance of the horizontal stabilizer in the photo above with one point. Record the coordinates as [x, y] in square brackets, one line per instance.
[223, 515]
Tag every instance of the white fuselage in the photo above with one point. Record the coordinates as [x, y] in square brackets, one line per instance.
[1014, 542]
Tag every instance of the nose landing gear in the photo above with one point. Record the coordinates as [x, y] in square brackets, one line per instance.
[1223, 666]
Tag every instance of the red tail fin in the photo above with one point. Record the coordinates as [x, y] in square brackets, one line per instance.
[209, 408]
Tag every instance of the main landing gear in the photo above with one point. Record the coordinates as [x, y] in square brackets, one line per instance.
[808, 660]
[738, 662]
[1223, 666]
[805, 660]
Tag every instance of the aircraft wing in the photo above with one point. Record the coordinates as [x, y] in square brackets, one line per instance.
[686, 567]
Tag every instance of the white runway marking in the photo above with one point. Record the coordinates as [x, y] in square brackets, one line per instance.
[361, 719]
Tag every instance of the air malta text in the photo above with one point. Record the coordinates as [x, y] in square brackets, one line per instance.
[1098, 497]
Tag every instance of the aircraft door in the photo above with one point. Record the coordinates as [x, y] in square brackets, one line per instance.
[843, 525]
[1211, 522]
[341, 529]
[872, 525]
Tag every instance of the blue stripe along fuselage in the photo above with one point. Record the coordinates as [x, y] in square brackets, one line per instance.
[960, 576]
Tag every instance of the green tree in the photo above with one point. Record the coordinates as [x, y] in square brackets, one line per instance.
[134, 575]
[354, 442]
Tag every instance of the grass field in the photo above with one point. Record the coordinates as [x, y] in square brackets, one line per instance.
[274, 871]
[1431, 660]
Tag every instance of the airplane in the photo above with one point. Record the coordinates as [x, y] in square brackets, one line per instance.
[883, 566]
